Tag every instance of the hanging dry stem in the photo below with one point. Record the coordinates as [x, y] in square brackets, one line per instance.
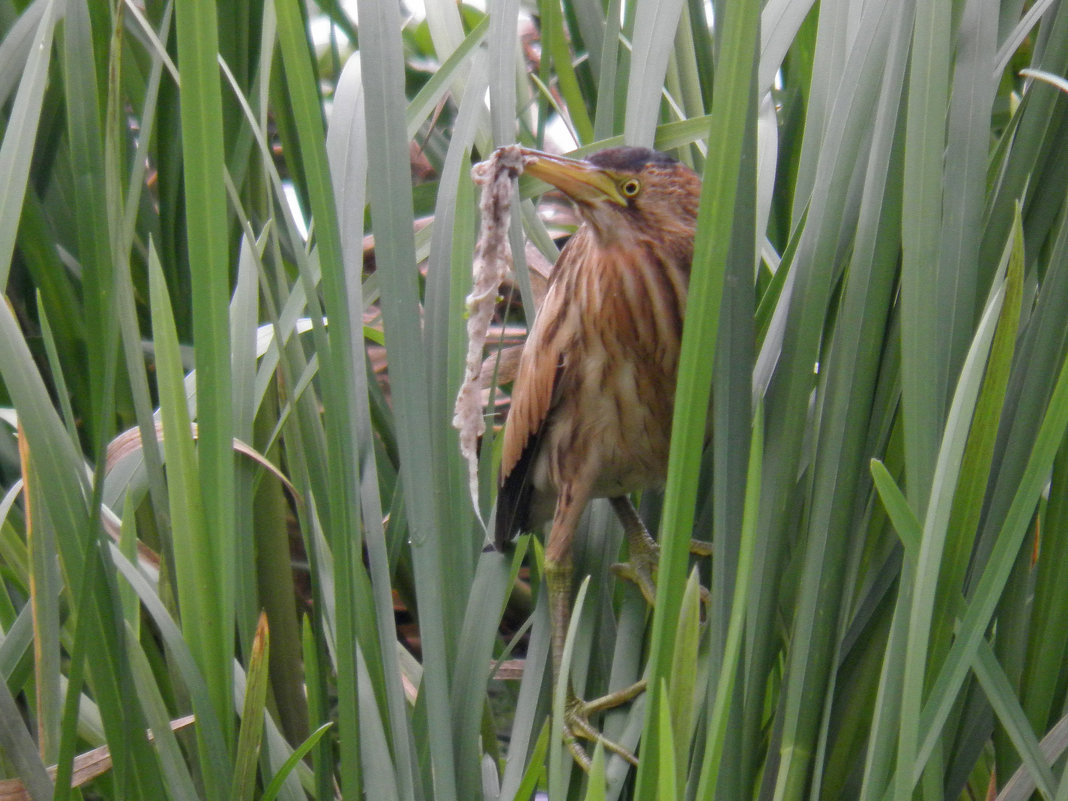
[493, 259]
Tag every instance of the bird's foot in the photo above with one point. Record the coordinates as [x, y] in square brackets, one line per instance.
[641, 568]
[576, 724]
[644, 558]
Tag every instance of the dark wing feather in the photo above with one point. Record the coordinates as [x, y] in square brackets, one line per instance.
[534, 394]
[513, 497]
[516, 490]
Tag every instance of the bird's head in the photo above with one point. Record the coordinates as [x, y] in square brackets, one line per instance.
[624, 193]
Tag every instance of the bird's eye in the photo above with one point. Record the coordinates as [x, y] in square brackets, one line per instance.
[630, 187]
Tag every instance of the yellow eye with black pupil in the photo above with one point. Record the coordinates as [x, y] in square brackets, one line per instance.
[631, 187]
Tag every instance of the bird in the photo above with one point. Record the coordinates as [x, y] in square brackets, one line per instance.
[593, 398]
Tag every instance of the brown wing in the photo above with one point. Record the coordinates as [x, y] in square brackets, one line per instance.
[534, 394]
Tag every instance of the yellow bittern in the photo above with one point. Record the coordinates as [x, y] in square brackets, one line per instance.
[593, 398]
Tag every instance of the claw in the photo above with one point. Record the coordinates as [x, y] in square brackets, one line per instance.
[577, 723]
[642, 573]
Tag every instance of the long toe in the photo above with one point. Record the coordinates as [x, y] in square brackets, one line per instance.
[700, 547]
[577, 724]
[640, 574]
[642, 565]
[641, 570]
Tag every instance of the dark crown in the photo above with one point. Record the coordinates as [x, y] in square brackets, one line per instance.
[629, 159]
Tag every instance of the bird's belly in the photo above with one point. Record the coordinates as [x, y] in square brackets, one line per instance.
[614, 426]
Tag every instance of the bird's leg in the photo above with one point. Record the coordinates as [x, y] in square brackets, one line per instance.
[558, 570]
[558, 579]
[577, 712]
[644, 550]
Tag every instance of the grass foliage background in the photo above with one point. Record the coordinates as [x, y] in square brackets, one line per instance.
[190, 395]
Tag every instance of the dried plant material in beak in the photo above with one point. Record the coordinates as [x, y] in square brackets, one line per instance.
[492, 261]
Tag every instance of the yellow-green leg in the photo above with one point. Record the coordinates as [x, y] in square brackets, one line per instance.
[641, 569]
[577, 713]
[558, 571]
